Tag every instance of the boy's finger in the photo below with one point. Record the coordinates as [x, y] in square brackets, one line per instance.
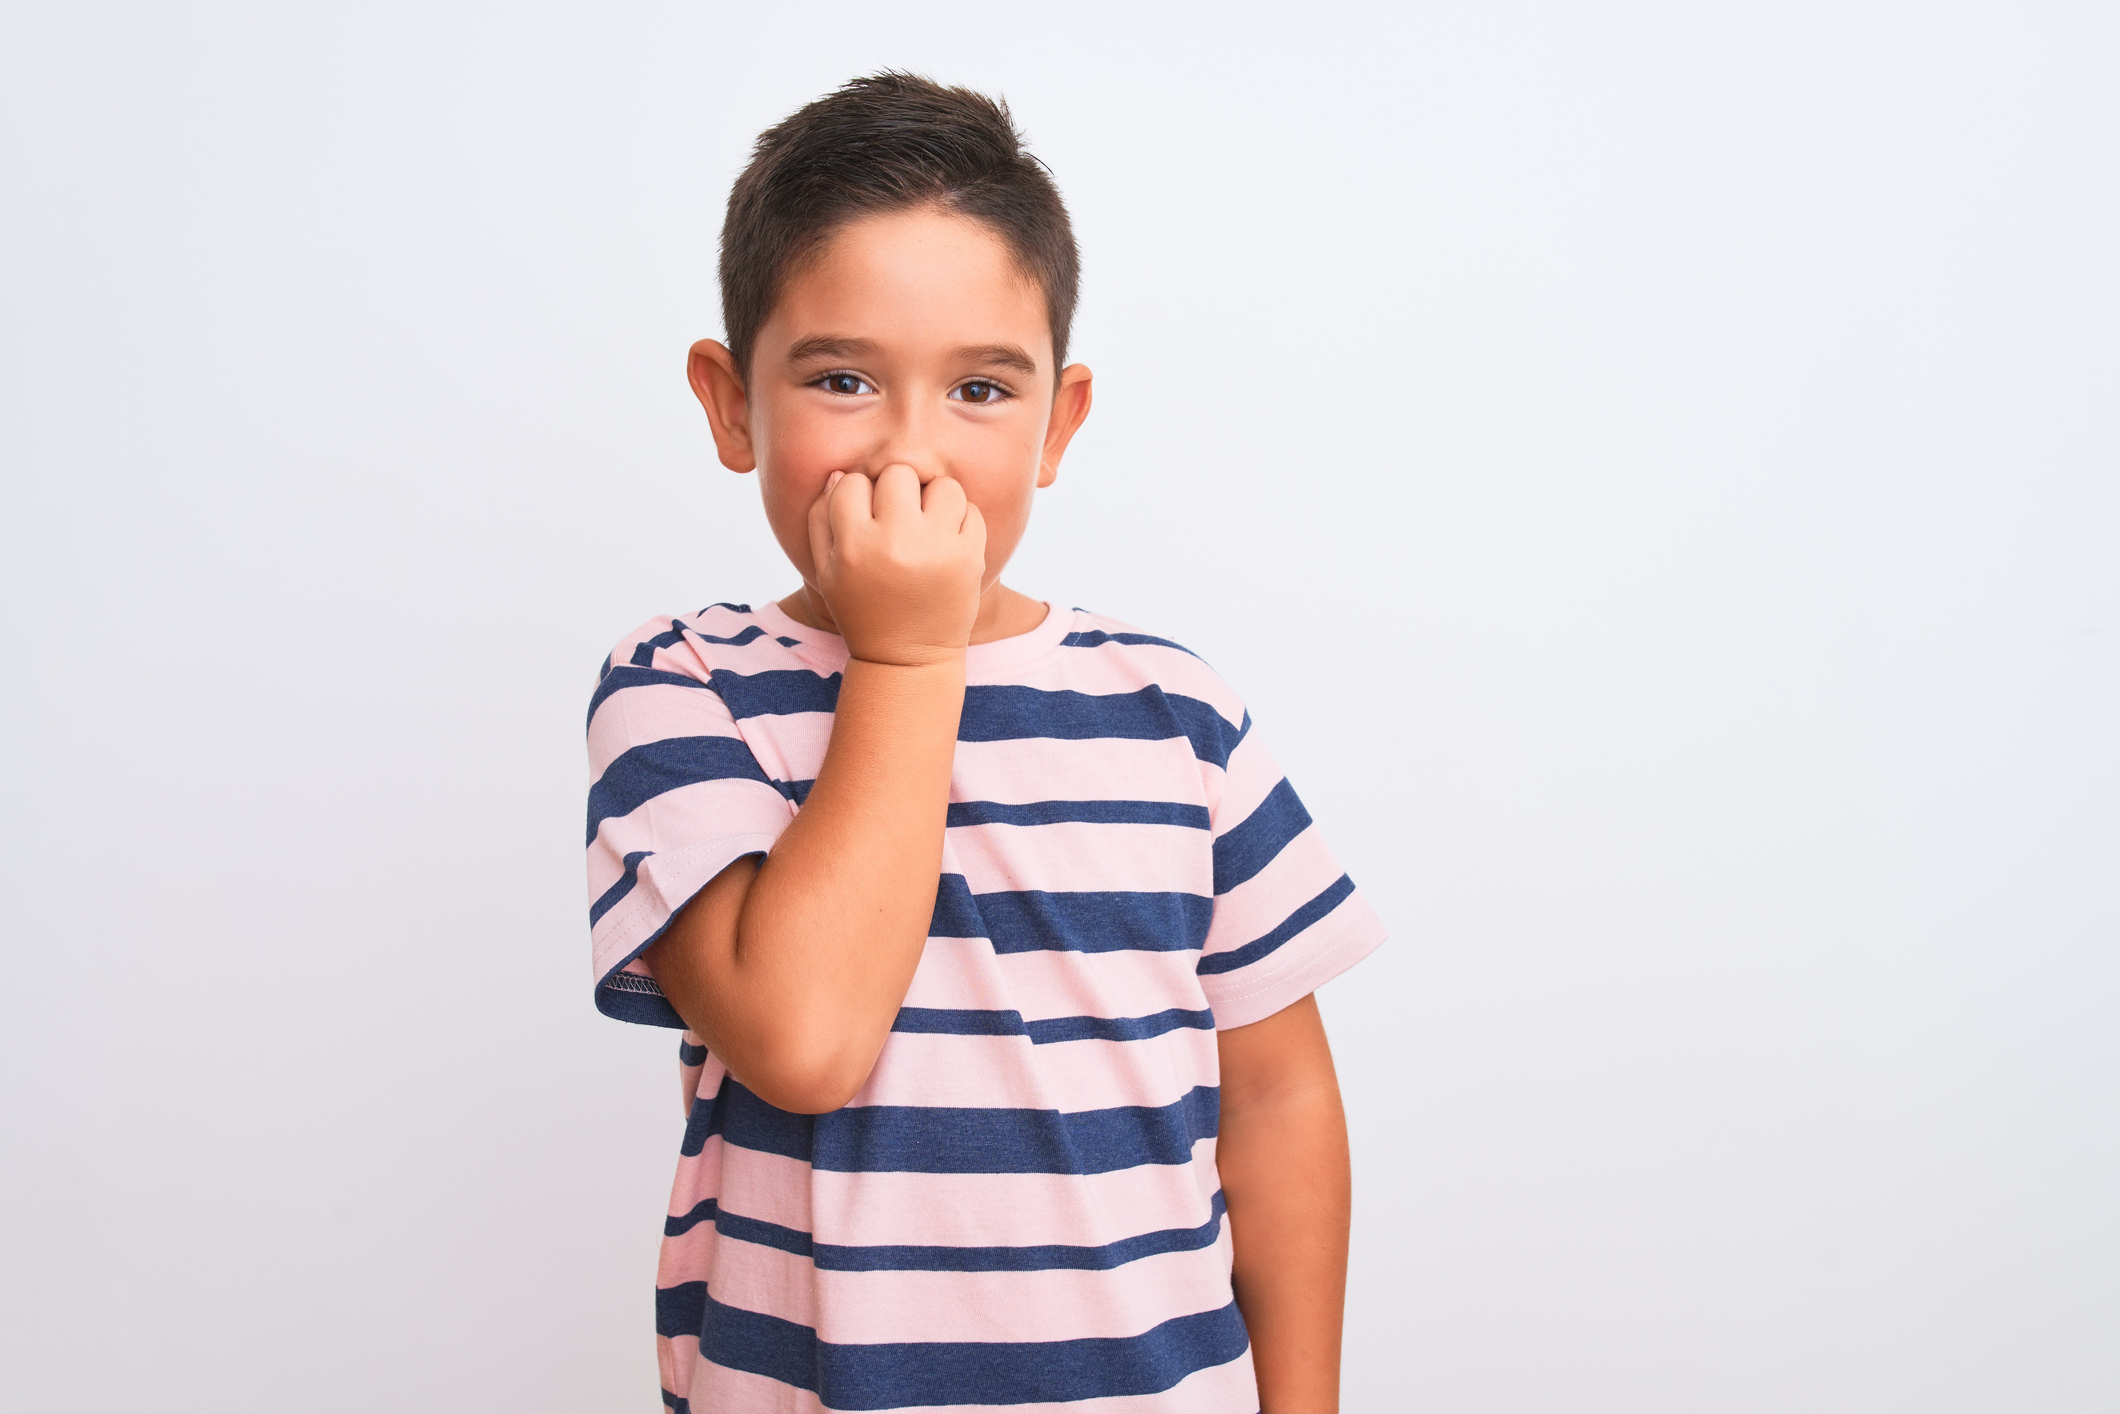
[943, 499]
[897, 492]
[850, 504]
[820, 533]
[974, 526]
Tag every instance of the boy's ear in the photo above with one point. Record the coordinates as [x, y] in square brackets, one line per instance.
[712, 371]
[1070, 406]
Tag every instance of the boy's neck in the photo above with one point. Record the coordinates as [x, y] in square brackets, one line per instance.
[1003, 613]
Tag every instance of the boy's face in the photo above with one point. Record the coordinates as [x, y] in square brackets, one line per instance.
[911, 338]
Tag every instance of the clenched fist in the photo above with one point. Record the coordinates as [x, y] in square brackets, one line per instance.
[899, 564]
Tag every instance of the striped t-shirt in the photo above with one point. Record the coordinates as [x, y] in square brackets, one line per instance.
[1020, 1207]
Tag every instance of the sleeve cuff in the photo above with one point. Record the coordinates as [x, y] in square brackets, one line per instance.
[1267, 987]
[666, 884]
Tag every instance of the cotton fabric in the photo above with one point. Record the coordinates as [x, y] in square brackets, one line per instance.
[1020, 1207]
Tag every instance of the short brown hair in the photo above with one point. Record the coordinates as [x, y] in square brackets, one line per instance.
[888, 142]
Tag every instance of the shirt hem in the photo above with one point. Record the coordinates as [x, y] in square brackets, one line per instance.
[1319, 964]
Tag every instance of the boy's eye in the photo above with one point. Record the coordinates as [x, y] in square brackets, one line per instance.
[845, 384]
[978, 392]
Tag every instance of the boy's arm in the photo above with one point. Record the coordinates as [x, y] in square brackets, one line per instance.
[793, 970]
[1282, 1152]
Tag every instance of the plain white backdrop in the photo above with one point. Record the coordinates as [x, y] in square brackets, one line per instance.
[1653, 470]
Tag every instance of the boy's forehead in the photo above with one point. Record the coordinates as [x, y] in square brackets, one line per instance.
[910, 280]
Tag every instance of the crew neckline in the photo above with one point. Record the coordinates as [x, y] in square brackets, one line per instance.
[981, 660]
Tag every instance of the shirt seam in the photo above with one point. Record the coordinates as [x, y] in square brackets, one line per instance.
[644, 907]
[1345, 935]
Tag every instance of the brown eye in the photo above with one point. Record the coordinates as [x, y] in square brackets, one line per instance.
[979, 393]
[843, 383]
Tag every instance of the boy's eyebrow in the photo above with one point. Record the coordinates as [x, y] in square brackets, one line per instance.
[835, 346]
[1006, 355]
[830, 346]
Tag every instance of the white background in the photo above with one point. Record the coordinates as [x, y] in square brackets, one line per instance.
[1654, 473]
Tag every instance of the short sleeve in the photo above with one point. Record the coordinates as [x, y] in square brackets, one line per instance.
[676, 796]
[1287, 919]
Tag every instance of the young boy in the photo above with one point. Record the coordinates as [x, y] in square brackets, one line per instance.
[992, 925]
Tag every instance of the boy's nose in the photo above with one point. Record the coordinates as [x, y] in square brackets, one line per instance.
[907, 440]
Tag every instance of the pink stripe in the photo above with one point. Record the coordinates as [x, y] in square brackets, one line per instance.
[1251, 777]
[1009, 1209]
[770, 1187]
[635, 715]
[1298, 874]
[1041, 768]
[1001, 1072]
[1071, 856]
[865, 1308]
[747, 1274]
[949, 1209]
[665, 883]
[966, 974]
[706, 810]
[1307, 962]
[791, 747]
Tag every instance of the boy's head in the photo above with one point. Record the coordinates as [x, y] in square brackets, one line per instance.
[898, 277]
[888, 143]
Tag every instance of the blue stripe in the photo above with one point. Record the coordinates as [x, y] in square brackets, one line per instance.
[644, 651]
[1035, 920]
[676, 1405]
[834, 1258]
[954, 1139]
[1295, 923]
[1006, 712]
[1098, 637]
[1088, 812]
[750, 634]
[894, 1257]
[637, 776]
[756, 1231]
[619, 679]
[680, 1310]
[732, 608]
[937, 1021]
[689, 1054]
[778, 692]
[899, 1375]
[619, 890]
[1118, 1028]
[1243, 851]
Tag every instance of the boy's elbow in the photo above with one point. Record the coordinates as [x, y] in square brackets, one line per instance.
[812, 1084]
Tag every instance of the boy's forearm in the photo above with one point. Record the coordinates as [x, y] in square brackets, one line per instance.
[1282, 1153]
[798, 997]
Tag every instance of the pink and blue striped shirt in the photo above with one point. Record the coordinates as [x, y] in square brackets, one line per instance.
[1020, 1207]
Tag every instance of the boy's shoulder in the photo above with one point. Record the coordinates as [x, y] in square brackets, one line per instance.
[672, 642]
[1123, 654]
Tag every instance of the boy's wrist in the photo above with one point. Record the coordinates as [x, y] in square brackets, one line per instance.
[910, 658]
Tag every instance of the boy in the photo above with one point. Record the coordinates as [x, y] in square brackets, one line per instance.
[992, 926]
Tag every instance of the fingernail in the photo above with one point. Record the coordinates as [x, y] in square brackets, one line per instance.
[834, 479]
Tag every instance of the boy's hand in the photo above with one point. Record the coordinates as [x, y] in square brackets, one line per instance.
[899, 564]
